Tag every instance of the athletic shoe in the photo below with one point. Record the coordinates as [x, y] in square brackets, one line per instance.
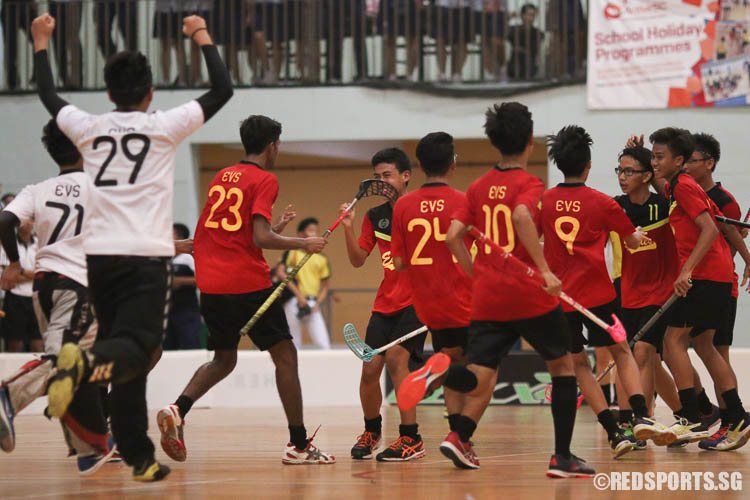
[89, 464]
[367, 442]
[627, 430]
[717, 437]
[7, 432]
[710, 419]
[445, 412]
[310, 455]
[736, 437]
[172, 439]
[645, 428]
[150, 471]
[70, 366]
[116, 457]
[561, 467]
[620, 444]
[403, 449]
[688, 432]
[460, 453]
[415, 385]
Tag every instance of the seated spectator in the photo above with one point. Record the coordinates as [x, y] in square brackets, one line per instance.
[20, 329]
[184, 322]
[451, 20]
[525, 40]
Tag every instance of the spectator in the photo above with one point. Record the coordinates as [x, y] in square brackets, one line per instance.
[68, 49]
[490, 22]
[20, 328]
[184, 322]
[525, 40]
[7, 198]
[567, 26]
[451, 29]
[168, 30]
[127, 22]
[233, 31]
[16, 15]
[311, 290]
[401, 18]
[270, 25]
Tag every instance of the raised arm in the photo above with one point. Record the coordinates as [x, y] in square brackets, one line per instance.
[41, 31]
[221, 85]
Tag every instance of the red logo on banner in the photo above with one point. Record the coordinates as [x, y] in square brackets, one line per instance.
[611, 11]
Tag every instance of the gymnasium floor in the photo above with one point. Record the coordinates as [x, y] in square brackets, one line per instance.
[235, 453]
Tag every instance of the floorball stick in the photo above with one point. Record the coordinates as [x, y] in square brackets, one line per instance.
[368, 187]
[733, 222]
[367, 353]
[616, 330]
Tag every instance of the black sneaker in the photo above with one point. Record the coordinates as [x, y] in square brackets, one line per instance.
[367, 442]
[403, 449]
[150, 471]
[621, 444]
[561, 467]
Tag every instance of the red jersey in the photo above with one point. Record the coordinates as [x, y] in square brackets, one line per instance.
[500, 292]
[687, 202]
[576, 221]
[226, 258]
[439, 286]
[649, 272]
[730, 208]
[394, 292]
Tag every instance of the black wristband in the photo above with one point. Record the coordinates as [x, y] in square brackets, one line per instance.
[196, 31]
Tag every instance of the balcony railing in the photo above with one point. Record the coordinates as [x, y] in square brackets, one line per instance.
[308, 42]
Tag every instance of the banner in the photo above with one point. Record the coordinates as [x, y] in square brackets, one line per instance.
[668, 53]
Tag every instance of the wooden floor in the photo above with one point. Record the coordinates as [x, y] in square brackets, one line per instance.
[237, 453]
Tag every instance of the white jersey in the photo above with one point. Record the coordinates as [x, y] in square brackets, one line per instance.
[58, 207]
[130, 157]
[26, 257]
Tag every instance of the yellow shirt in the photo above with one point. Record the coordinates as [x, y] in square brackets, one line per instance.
[311, 274]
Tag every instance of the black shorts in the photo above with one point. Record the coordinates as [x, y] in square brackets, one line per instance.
[597, 337]
[704, 308]
[277, 21]
[490, 341]
[226, 314]
[452, 24]
[400, 17]
[383, 329]
[634, 319]
[725, 334]
[20, 321]
[449, 337]
[229, 26]
[493, 24]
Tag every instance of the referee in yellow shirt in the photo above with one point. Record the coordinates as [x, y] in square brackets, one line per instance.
[311, 290]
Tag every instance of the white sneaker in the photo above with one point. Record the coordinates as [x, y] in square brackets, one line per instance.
[736, 437]
[310, 455]
[172, 438]
[688, 432]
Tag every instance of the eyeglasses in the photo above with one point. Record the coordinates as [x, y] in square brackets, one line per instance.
[696, 160]
[627, 172]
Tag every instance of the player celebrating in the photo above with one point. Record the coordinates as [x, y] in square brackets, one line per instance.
[235, 280]
[648, 271]
[701, 167]
[393, 316]
[507, 304]
[440, 288]
[576, 221]
[57, 206]
[129, 153]
[706, 260]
